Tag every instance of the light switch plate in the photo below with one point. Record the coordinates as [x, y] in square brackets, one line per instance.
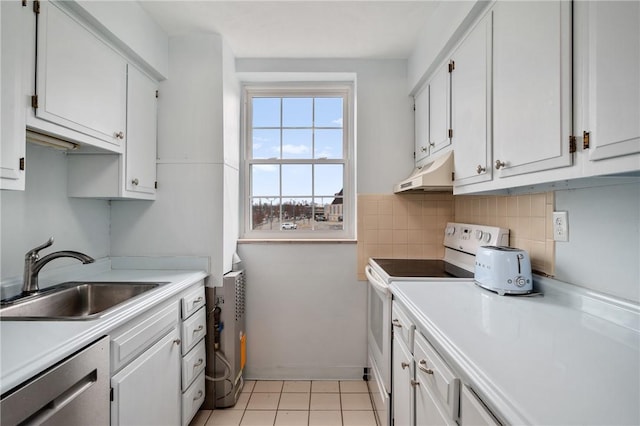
[560, 226]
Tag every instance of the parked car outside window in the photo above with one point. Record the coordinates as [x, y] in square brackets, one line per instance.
[289, 225]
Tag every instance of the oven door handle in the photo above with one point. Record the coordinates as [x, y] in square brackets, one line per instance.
[376, 282]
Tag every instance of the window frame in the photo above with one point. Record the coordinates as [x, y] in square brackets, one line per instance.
[306, 90]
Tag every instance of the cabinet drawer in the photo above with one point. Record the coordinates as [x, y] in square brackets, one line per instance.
[131, 340]
[192, 399]
[473, 411]
[192, 301]
[402, 326]
[432, 371]
[193, 329]
[193, 364]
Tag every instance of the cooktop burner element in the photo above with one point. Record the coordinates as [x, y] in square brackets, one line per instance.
[407, 268]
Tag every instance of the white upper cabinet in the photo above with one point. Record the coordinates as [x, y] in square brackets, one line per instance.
[471, 106]
[440, 109]
[608, 77]
[421, 104]
[128, 176]
[141, 144]
[81, 82]
[531, 86]
[14, 23]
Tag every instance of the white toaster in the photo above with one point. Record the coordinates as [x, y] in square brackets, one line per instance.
[504, 270]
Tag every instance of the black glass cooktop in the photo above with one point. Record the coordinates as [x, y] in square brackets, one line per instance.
[426, 268]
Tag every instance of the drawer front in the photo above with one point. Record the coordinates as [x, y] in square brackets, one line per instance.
[192, 399]
[193, 301]
[402, 326]
[193, 329]
[473, 411]
[432, 371]
[193, 364]
[145, 331]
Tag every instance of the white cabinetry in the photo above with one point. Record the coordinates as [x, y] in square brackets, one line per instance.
[158, 362]
[471, 106]
[472, 410]
[132, 175]
[421, 113]
[81, 82]
[194, 321]
[437, 388]
[440, 109]
[13, 26]
[402, 373]
[608, 83]
[147, 391]
[531, 86]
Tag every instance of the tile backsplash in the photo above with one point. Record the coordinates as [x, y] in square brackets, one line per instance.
[412, 225]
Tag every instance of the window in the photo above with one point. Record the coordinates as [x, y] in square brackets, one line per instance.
[298, 166]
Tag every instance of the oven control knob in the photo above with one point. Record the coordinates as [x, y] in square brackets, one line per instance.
[479, 234]
[486, 237]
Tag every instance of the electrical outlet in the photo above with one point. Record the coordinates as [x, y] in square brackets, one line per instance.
[560, 226]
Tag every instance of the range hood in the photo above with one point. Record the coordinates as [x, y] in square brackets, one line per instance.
[434, 176]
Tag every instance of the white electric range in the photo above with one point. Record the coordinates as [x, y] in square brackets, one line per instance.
[461, 243]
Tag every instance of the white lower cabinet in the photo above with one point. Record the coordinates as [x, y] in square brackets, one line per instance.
[193, 330]
[158, 362]
[472, 410]
[426, 390]
[401, 392]
[147, 391]
[437, 388]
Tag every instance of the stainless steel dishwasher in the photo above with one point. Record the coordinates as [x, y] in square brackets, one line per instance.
[73, 392]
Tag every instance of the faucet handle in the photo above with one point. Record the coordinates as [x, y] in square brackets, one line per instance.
[34, 251]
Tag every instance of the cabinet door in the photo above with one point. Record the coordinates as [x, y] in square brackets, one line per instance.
[421, 117]
[401, 391]
[140, 174]
[428, 410]
[471, 106]
[439, 110]
[147, 391]
[81, 82]
[12, 129]
[531, 86]
[613, 74]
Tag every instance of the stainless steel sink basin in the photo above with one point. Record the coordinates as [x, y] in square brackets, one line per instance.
[73, 300]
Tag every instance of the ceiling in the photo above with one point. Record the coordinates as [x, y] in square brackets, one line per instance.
[301, 28]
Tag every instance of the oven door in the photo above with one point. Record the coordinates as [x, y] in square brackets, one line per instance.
[379, 327]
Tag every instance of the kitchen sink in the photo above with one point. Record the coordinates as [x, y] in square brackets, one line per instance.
[73, 300]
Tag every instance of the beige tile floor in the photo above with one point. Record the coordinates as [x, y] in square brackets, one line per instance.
[295, 403]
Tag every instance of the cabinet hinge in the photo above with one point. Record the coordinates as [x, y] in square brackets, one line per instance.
[155, 185]
[34, 101]
[572, 144]
[36, 7]
[585, 140]
[450, 133]
[21, 163]
[452, 66]
[453, 176]
[111, 394]
[157, 94]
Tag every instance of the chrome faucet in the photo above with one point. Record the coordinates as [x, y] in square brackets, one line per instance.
[33, 264]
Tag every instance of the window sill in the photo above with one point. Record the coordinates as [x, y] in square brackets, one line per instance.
[296, 241]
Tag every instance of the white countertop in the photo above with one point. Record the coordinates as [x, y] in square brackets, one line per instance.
[29, 347]
[533, 360]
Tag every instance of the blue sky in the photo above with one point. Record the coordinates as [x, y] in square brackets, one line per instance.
[301, 119]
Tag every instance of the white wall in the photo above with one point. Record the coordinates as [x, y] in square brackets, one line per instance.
[603, 251]
[43, 210]
[196, 205]
[306, 312]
